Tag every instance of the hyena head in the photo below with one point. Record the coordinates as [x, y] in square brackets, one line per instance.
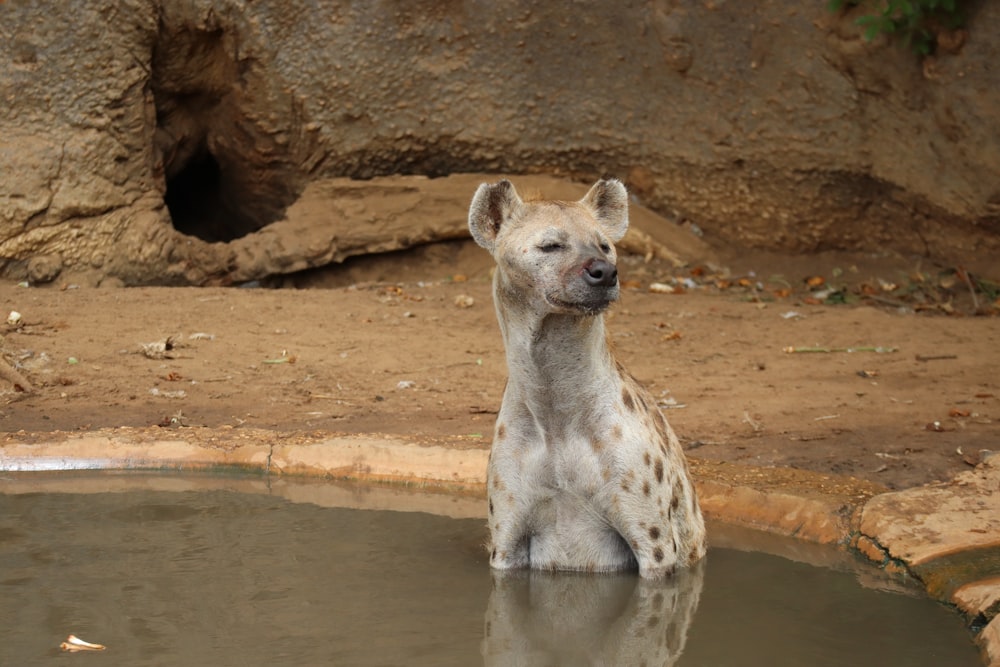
[553, 256]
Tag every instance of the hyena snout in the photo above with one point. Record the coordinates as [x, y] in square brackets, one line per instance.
[600, 273]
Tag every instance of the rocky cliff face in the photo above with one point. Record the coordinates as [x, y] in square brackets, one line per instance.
[151, 142]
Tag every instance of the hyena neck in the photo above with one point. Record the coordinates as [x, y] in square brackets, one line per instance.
[557, 364]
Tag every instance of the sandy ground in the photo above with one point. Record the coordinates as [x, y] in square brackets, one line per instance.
[408, 344]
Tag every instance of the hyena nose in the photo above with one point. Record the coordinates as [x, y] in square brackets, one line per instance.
[599, 273]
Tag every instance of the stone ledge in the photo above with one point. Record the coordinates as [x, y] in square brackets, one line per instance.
[980, 598]
[806, 505]
[454, 464]
[933, 522]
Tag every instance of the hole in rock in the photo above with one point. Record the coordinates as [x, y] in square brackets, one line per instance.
[195, 202]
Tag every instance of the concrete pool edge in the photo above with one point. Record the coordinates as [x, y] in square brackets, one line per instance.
[916, 532]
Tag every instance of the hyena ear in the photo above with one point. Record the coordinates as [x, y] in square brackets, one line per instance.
[492, 206]
[608, 200]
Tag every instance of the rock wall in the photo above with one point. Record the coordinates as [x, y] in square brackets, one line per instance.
[141, 143]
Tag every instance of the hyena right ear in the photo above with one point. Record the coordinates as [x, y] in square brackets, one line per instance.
[492, 206]
[608, 200]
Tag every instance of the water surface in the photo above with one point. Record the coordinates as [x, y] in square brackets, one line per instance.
[226, 578]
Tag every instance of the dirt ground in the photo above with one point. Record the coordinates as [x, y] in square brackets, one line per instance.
[904, 391]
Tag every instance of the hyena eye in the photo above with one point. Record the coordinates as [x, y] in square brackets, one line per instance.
[551, 247]
[605, 247]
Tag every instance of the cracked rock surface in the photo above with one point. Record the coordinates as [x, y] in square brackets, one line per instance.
[138, 146]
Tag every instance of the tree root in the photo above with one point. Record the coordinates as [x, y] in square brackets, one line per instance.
[8, 373]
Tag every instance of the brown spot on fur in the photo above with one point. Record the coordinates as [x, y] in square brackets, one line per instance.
[597, 444]
[616, 432]
[658, 554]
[693, 556]
[627, 399]
[658, 470]
[647, 459]
[654, 533]
[606, 474]
[625, 485]
[679, 488]
[491, 508]
[645, 488]
[662, 429]
[497, 484]
[674, 502]
[501, 431]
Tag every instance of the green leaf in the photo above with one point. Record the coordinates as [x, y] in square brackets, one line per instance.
[907, 21]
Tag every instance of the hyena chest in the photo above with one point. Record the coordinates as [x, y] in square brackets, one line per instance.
[570, 480]
[572, 466]
[571, 526]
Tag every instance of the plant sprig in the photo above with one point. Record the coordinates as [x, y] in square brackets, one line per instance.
[911, 21]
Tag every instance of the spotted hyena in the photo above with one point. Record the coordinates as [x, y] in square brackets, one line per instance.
[585, 473]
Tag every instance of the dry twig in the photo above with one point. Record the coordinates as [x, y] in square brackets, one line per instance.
[935, 357]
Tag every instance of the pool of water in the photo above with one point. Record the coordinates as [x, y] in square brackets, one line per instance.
[223, 577]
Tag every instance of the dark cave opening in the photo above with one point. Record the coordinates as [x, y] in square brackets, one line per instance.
[194, 199]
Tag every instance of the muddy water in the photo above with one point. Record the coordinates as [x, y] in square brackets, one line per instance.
[224, 578]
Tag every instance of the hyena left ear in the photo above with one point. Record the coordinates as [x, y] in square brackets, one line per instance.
[608, 200]
[492, 206]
